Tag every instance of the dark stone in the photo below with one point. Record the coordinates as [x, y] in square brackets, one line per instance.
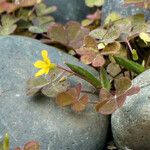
[117, 6]
[39, 118]
[69, 10]
[131, 123]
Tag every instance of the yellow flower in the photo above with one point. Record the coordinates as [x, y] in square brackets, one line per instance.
[44, 65]
[145, 37]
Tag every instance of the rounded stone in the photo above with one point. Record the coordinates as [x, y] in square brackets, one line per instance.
[69, 10]
[131, 123]
[117, 6]
[39, 118]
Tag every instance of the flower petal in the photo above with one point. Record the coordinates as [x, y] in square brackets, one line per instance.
[47, 70]
[45, 56]
[39, 64]
[40, 72]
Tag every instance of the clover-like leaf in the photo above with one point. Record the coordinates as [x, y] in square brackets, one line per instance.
[32, 145]
[10, 7]
[113, 69]
[58, 83]
[41, 9]
[35, 84]
[113, 16]
[28, 3]
[80, 104]
[138, 3]
[90, 54]
[122, 84]
[109, 104]
[70, 35]
[92, 3]
[106, 36]
[72, 97]
[41, 24]
[92, 18]
[8, 25]
[111, 48]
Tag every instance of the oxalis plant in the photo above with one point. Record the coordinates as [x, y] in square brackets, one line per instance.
[5, 144]
[52, 80]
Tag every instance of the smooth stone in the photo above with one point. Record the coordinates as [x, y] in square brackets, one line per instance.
[117, 6]
[69, 10]
[131, 123]
[39, 118]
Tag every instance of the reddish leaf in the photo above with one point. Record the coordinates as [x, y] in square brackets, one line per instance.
[111, 48]
[89, 53]
[8, 7]
[70, 35]
[122, 84]
[110, 104]
[80, 105]
[32, 145]
[11, 7]
[64, 99]
[133, 90]
[28, 3]
[68, 97]
[72, 97]
[98, 61]
[95, 16]
[17, 148]
[104, 94]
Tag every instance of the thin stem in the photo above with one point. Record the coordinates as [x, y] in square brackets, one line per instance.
[73, 73]
[129, 45]
[89, 92]
[93, 102]
[65, 69]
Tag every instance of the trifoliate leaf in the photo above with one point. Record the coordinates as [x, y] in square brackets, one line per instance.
[35, 84]
[71, 35]
[113, 69]
[8, 25]
[112, 17]
[42, 9]
[122, 84]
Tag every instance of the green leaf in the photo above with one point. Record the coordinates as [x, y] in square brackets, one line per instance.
[104, 79]
[113, 16]
[42, 10]
[85, 75]
[6, 142]
[122, 84]
[92, 3]
[129, 65]
[8, 25]
[58, 83]
[35, 84]
[52, 90]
